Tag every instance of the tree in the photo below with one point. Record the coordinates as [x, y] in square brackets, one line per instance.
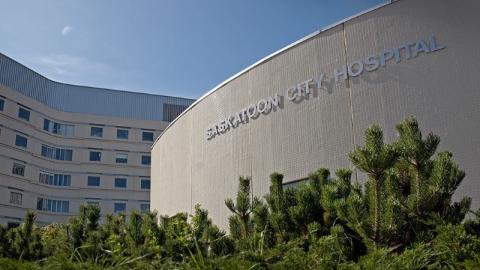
[210, 240]
[275, 213]
[240, 222]
[307, 206]
[134, 234]
[375, 159]
[25, 240]
[334, 191]
[427, 184]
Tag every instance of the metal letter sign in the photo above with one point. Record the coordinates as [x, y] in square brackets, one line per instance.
[304, 90]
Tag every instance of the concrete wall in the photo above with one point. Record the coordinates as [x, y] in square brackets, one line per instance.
[79, 168]
[439, 88]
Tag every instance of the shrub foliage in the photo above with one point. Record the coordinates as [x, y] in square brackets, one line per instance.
[397, 213]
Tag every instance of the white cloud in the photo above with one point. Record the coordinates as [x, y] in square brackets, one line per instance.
[66, 67]
[66, 30]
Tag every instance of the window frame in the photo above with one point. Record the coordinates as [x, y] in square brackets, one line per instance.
[97, 203]
[26, 112]
[91, 155]
[119, 131]
[54, 179]
[144, 185]
[95, 134]
[120, 160]
[65, 130]
[14, 198]
[56, 153]
[148, 132]
[144, 158]
[144, 209]
[93, 178]
[19, 166]
[53, 205]
[19, 139]
[120, 182]
[124, 206]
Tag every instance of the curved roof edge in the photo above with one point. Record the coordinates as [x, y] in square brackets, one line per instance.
[270, 56]
[84, 99]
[89, 86]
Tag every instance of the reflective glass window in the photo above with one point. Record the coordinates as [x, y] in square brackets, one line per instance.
[122, 134]
[24, 114]
[21, 141]
[96, 132]
[93, 181]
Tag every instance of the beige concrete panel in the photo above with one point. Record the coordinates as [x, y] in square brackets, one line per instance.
[302, 137]
[440, 88]
[218, 163]
[280, 141]
[173, 186]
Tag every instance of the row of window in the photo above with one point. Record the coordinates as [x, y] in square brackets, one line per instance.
[120, 158]
[67, 154]
[69, 130]
[122, 134]
[51, 205]
[59, 129]
[60, 206]
[65, 180]
[120, 182]
[55, 179]
[56, 153]
[119, 207]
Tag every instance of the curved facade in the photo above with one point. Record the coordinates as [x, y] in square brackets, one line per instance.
[308, 105]
[65, 145]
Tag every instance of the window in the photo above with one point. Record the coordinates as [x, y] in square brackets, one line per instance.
[16, 198]
[121, 158]
[57, 128]
[2, 104]
[51, 205]
[121, 182]
[56, 153]
[54, 179]
[93, 203]
[12, 225]
[119, 207]
[96, 132]
[147, 136]
[146, 160]
[295, 184]
[122, 134]
[95, 156]
[145, 183]
[18, 169]
[144, 207]
[21, 141]
[93, 181]
[171, 111]
[24, 114]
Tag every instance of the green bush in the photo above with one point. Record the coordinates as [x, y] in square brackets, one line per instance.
[401, 217]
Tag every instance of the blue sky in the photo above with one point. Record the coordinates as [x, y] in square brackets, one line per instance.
[170, 47]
